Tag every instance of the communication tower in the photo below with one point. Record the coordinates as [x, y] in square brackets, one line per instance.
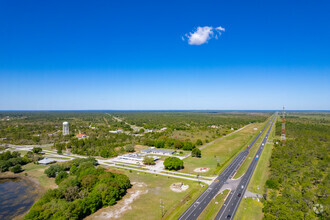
[283, 127]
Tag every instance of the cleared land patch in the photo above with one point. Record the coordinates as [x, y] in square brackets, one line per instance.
[155, 190]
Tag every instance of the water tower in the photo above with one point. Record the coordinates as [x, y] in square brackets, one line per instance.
[65, 128]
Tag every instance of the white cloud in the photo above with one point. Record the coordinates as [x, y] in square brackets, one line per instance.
[203, 34]
[220, 29]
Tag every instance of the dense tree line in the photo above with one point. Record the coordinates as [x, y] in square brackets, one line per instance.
[12, 161]
[186, 120]
[171, 143]
[82, 190]
[46, 127]
[299, 182]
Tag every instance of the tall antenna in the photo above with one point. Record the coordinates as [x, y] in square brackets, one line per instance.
[283, 127]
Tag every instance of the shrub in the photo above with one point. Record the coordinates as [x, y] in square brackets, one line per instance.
[129, 148]
[16, 169]
[60, 176]
[173, 163]
[188, 146]
[272, 184]
[199, 142]
[196, 152]
[36, 150]
[88, 181]
[73, 169]
[53, 170]
[148, 160]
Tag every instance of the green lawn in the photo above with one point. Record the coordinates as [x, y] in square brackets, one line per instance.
[261, 172]
[212, 209]
[249, 209]
[36, 171]
[221, 151]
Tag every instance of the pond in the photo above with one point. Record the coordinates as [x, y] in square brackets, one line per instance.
[16, 197]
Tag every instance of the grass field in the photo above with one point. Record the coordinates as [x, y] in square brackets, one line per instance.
[251, 208]
[36, 171]
[221, 151]
[261, 173]
[212, 209]
[194, 135]
[152, 191]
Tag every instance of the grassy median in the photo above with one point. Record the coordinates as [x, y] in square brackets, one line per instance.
[251, 208]
[212, 209]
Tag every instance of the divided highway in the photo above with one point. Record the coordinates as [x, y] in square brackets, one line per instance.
[232, 202]
[203, 200]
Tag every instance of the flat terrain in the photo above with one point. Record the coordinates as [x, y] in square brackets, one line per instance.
[251, 208]
[36, 171]
[145, 198]
[222, 150]
[245, 165]
[214, 206]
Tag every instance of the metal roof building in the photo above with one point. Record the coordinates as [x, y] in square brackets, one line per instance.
[46, 161]
[157, 151]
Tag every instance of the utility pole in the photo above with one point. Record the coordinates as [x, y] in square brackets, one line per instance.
[162, 207]
[283, 127]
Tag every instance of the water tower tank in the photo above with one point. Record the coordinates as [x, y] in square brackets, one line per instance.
[65, 128]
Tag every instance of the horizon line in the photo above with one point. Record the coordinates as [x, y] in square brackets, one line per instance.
[155, 110]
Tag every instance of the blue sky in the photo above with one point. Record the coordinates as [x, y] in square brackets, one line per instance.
[130, 55]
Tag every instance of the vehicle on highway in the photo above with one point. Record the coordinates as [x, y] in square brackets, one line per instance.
[228, 216]
[239, 194]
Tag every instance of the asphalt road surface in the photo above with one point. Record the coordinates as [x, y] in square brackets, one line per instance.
[232, 202]
[203, 200]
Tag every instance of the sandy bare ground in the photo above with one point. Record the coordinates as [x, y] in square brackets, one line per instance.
[179, 189]
[116, 211]
[201, 169]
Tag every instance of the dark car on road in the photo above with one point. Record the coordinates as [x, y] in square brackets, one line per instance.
[228, 216]
[239, 194]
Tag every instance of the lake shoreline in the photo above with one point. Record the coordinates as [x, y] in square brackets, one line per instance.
[30, 180]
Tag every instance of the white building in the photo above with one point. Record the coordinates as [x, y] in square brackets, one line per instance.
[65, 128]
[153, 150]
[46, 161]
[135, 157]
[118, 131]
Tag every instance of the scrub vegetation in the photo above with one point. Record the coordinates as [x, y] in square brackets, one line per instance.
[13, 161]
[81, 192]
[172, 130]
[298, 187]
